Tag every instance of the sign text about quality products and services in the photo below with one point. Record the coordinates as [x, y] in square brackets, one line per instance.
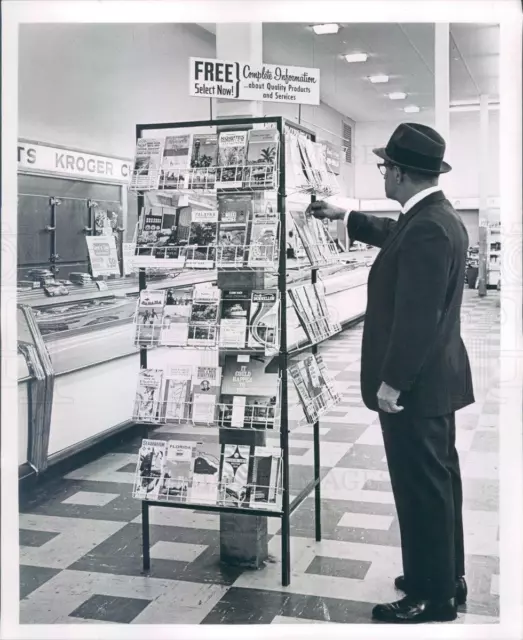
[211, 78]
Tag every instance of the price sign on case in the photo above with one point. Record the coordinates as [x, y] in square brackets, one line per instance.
[232, 80]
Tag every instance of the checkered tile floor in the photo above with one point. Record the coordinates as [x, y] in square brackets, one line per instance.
[80, 536]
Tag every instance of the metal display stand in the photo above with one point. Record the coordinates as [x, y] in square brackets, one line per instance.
[283, 356]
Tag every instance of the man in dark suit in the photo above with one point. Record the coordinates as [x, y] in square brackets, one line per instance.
[415, 370]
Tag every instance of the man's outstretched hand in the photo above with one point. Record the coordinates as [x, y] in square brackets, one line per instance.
[322, 210]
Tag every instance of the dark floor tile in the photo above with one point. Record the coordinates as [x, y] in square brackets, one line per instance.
[482, 608]
[479, 571]
[336, 414]
[123, 509]
[339, 567]
[35, 538]
[342, 433]
[252, 606]
[481, 495]
[364, 456]
[110, 609]
[377, 485]
[298, 451]
[301, 476]
[121, 554]
[128, 468]
[32, 578]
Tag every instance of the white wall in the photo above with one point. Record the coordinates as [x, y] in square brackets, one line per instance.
[94, 83]
[461, 182]
[88, 85]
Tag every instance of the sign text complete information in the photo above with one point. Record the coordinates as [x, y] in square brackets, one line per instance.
[211, 78]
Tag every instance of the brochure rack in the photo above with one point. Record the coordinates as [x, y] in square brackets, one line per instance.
[283, 507]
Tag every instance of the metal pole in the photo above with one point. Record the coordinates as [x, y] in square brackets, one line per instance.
[145, 537]
[284, 427]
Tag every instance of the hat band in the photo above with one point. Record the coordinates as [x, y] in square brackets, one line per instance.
[412, 158]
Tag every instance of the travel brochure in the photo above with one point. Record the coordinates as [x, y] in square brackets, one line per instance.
[310, 304]
[315, 387]
[209, 473]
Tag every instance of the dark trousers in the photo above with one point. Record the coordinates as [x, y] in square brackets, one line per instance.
[426, 482]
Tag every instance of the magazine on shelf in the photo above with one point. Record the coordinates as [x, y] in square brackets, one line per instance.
[318, 312]
[308, 407]
[295, 178]
[314, 385]
[234, 219]
[149, 318]
[231, 159]
[262, 158]
[235, 314]
[264, 320]
[235, 461]
[149, 469]
[176, 314]
[103, 255]
[177, 471]
[175, 162]
[204, 316]
[176, 405]
[157, 238]
[204, 157]
[248, 394]
[147, 163]
[266, 478]
[201, 248]
[333, 325]
[146, 403]
[329, 382]
[206, 473]
[303, 312]
[263, 245]
[205, 392]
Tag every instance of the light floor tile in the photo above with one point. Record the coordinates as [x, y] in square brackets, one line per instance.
[290, 620]
[180, 551]
[172, 517]
[372, 436]
[366, 521]
[106, 469]
[481, 465]
[91, 498]
[77, 536]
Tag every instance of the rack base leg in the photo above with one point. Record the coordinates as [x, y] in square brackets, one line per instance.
[317, 476]
[145, 538]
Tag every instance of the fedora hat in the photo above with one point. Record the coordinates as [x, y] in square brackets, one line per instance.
[416, 147]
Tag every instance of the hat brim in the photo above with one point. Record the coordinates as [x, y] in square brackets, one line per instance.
[380, 152]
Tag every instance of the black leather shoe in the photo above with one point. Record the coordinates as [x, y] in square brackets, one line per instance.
[461, 588]
[411, 611]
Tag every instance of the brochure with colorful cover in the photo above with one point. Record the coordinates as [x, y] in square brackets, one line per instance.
[201, 248]
[314, 383]
[146, 404]
[176, 314]
[262, 158]
[205, 391]
[157, 239]
[175, 162]
[235, 462]
[177, 471]
[234, 219]
[206, 473]
[249, 394]
[307, 403]
[149, 469]
[308, 236]
[203, 321]
[204, 158]
[147, 163]
[234, 317]
[264, 321]
[231, 159]
[177, 393]
[263, 246]
[266, 478]
[149, 317]
[103, 255]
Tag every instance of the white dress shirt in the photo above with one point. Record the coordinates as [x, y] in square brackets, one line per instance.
[410, 203]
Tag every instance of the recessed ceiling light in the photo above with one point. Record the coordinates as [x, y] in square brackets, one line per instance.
[411, 109]
[398, 95]
[378, 79]
[324, 29]
[356, 57]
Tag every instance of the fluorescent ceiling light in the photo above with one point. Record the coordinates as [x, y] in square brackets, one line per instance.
[378, 79]
[467, 108]
[356, 57]
[411, 109]
[398, 95]
[325, 29]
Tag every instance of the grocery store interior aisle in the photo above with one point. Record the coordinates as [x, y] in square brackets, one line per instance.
[80, 535]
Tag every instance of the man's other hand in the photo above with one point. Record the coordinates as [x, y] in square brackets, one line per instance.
[388, 398]
[322, 210]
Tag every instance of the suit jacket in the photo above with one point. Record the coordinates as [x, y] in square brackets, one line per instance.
[412, 333]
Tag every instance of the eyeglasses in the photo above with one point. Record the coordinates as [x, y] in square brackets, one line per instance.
[383, 168]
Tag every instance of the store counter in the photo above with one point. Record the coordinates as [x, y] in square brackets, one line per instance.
[90, 344]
